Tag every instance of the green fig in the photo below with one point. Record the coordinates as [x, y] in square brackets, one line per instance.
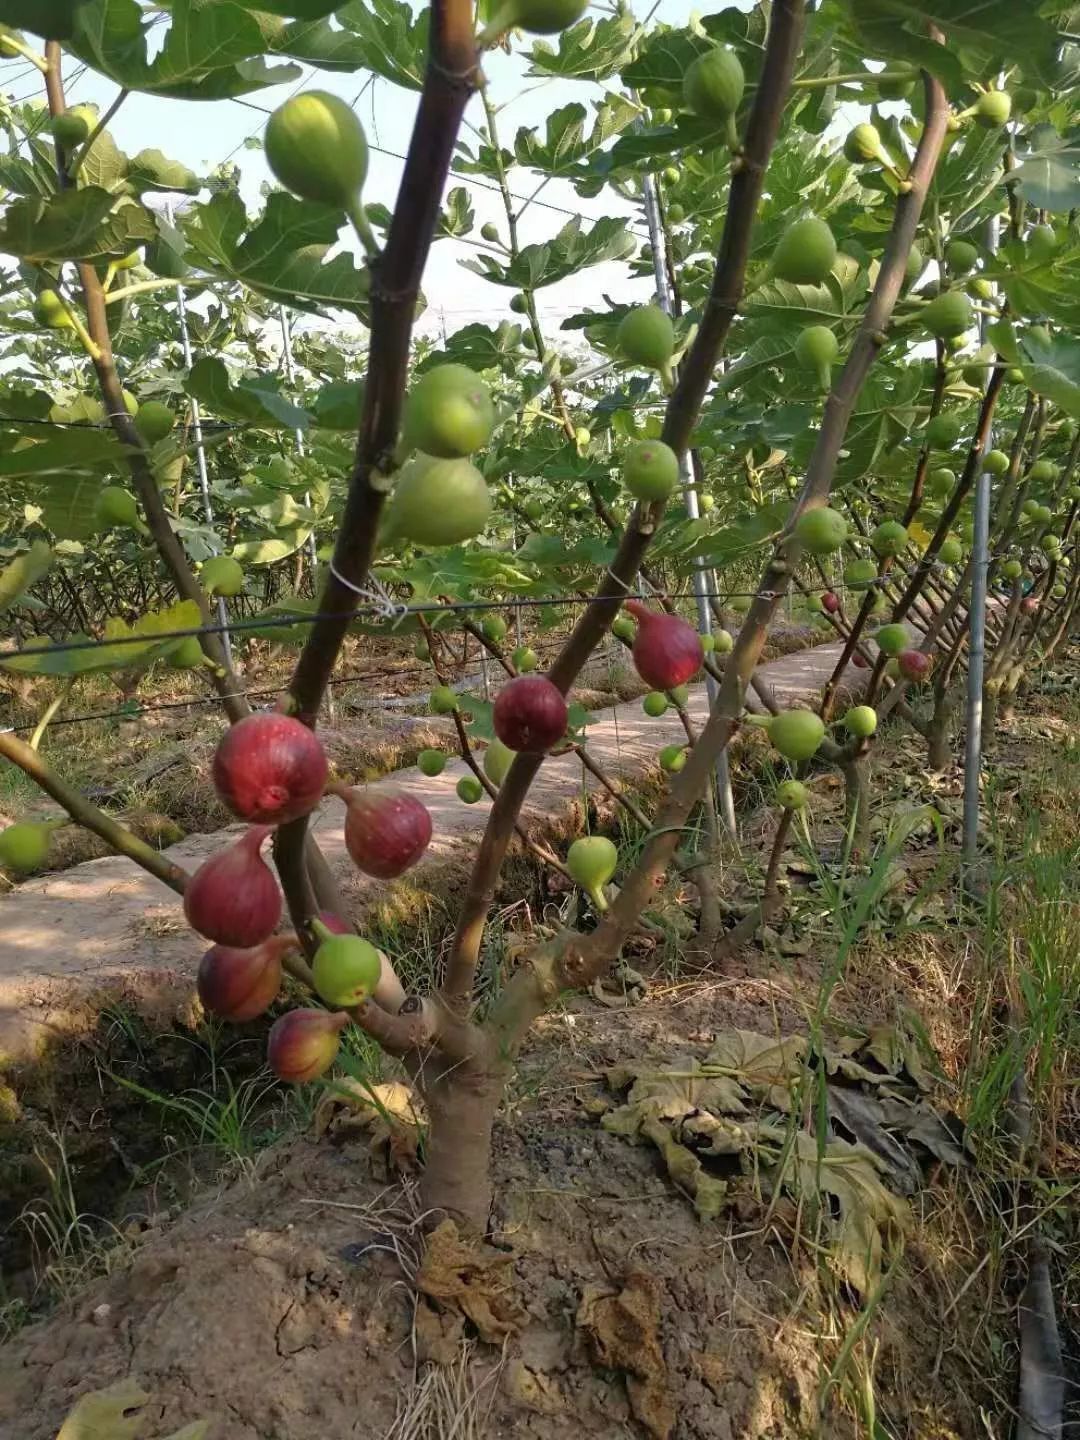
[821, 530]
[805, 253]
[431, 762]
[796, 734]
[437, 502]
[792, 795]
[316, 148]
[816, 349]
[449, 413]
[650, 470]
[592, 862]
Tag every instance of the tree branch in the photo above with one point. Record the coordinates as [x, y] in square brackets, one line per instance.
[785, 33]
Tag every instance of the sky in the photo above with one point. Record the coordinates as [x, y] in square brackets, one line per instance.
[203, 135]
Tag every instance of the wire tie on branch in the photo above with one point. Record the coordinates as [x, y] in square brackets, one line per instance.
[376, 595]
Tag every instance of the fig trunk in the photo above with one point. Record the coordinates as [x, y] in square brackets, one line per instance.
[939, 733]
[462, 1102]
[857, 805]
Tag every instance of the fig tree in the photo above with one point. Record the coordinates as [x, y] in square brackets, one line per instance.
[650, 470]
[431, 762]
[24, 845]
[437, 502]
[861, 721]
[805, 253]
[796, 734]
[449, 412]
[821, 531]
[948, 315]
[592, 861]
[315, 147]
[222, 575]
[816, 349]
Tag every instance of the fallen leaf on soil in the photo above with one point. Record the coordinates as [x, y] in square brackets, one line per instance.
[470, 1277]
[687, 1171]
[532, 1388]
[391, 1113]
[111, 1414]
[622, 1328]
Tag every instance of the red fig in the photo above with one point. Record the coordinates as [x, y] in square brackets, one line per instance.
[386, 830]
[859, 661]
[335, 923]
[240, 984]
[270, 768]
[233, 897]
[1029, 605]
[530, 714]
[304, 1043]
[914, 665]
[830, 603]
[667, 651]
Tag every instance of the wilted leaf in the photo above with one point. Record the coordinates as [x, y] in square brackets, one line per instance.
[115, 1413]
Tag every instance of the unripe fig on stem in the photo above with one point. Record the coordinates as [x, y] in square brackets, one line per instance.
[270, 768]
[530, 714]
[655, 704]
[672, 758]
[943, 431]
[437, 502]
[443, 700]
[524, 659]
[817, 349]
[913, 664]
[861, 721]
[449, 413]
[115, 507]
[667, 650]
[154, 421]
[889, 538]
[592, 861]
[536, 17]
[796, 733]
[497, 761]
[860, 574]
[240, 984]
[724, 642]
[892, 639]
[646, 336]
[713, 89]
[821, 530]
[805, 253]
[316, 148]
[650, 470]
[863, 146]
[346, 969]
[469, 789]
[623, 628]
[233, 898]
[493, 628]
[303, 1044]
[386, 829]
[431, 762]
[222, 575]
[950, 314]
[792, 795]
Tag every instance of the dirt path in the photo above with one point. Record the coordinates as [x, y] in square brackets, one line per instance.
[104, 930]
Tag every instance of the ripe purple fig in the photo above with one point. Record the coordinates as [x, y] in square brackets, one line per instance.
[303, 1044]
[233, 897]
[667, 651]
[386, 830]
[914, 665]
[530, 714]
[830, 602]
[270, 768]
[239, 984]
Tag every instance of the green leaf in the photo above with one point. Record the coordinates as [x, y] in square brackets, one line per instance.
[210, 52]
[301, 9]
[393, 43]
[457, 218]
[481, 347]
[589, 50]
[567, 253]
[182, 616]
[68, 502]
[153, 170]
[1053, 370]
[74, 225]
[255, 400]
[1049, 171]
[565, 148]
[23, 573]
[282, 255]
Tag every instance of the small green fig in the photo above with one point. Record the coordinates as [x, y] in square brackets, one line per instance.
[792, 795]
[816, 349]
[861, 721]
[655, 704]
[116, 507]
[592, 862]
[943, 431]
[443, 700]
[623, 628]
[497, 761]
[941, 482]
[725, 642]
[961, 257]
[821, 531]
[860, 574]
[469, 789]
[524, 659]
[672, 758]
[713, 89]
[646, 336]
[316, 148]
[796, 734]
[650, 470]
[493, 628]
[438, 502]
[995, 462]
[345, 968]
[892, 639]
[863, 146]
[952, 550]
[993, 109]
[889, 538]
[449, 413]
[24, 845]
[222, 575]
[1012, 569]
[806, 252]
[431, 762]
[948, 315]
